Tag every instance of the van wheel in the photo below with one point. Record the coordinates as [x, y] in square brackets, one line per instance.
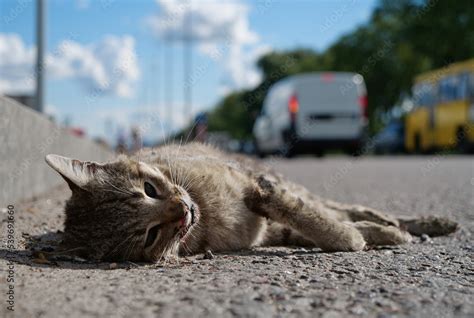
[354, 151]
[288, 150]
[290, 141]
[258, 152]
[261, 155]
[417, 142]
[462, 143]
[378, 151]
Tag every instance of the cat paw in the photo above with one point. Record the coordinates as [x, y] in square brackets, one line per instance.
[350, 240]
[376, 234]
[257, 195]
[266, 187]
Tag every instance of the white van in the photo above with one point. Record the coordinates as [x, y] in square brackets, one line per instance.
[311, 113]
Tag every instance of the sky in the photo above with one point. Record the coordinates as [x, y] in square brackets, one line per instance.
[114, 64]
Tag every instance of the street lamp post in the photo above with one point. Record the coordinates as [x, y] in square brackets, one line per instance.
[40, 44]
[168, 79]
[187, 64]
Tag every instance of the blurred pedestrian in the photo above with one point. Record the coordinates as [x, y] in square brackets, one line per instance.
[136, 139]
[200, 130]
[121, 143]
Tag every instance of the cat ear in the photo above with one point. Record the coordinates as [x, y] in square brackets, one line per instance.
[75, 172]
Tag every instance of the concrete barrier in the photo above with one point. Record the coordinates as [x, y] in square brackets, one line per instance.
[25, 138]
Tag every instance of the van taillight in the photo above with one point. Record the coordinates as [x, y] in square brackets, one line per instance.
[293, 106]
[364, 106]
[327, 77]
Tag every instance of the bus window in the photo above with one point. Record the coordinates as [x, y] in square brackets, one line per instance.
[471, 86]
[424, 94]
[444, 91]
[449, 89]
[463, 87]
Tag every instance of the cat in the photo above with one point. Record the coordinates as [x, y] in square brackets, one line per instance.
[187, 199]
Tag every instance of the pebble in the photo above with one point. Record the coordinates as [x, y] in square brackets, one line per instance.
[383, 290]
[331, 314]
[357, 310]
[425, 238]
[208, 255]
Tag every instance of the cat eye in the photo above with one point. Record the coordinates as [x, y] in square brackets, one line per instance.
[150, 190]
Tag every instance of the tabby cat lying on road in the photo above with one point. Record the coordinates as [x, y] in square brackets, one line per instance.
[191, 198]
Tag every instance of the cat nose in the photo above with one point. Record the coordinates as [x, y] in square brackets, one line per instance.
[177, 208]
[187, 203]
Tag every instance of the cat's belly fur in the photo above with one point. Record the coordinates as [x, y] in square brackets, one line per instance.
[225, 222]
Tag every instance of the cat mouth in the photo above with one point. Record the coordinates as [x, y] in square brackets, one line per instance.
[152, 234]
[188, 221]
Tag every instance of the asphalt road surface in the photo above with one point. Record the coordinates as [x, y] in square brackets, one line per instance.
[433, 277]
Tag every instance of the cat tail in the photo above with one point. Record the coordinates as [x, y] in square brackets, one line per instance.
[429, 225]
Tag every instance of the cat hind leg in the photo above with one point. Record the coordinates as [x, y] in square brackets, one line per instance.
[376, 234]
[431, 225]
[272, 200]
[356, 213]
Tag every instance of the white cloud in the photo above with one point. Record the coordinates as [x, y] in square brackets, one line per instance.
[83, 4]
[51, 110]
[107, 67]
[222, 31]
[208, 21]
[16, 64]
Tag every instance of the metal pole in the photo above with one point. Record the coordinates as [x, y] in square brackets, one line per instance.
[40, 44]
[187, 63]
[156, 77]
[168, 83]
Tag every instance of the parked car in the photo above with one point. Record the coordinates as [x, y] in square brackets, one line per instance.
[391, 139]
[312, 113]
[241, 146]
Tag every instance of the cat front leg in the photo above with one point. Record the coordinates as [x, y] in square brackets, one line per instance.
[276, 203]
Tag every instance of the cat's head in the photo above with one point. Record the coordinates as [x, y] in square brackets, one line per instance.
[123, 210]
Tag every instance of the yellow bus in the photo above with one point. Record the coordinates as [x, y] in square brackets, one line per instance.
[443, 113]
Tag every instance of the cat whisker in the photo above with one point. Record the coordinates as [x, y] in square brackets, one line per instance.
[172, 173]
[166, 142]
[123, 191]
[117, 190]
[187, 182]
[190, 131]
[164, 252]
[113, 191]
[117, 246]
[174, 252]
[133, 243]
[185, 246]
[61, 251]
